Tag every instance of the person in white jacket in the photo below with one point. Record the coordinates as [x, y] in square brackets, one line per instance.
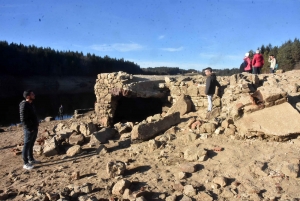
[272, 60]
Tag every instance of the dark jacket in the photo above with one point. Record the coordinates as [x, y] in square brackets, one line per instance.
[211, 83]
[28, 115]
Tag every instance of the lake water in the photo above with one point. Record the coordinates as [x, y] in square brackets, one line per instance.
[46, 105]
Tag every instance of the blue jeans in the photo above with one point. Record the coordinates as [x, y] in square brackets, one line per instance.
[29, 139]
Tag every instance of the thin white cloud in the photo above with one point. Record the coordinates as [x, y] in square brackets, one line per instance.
[121, 47]
[173, 49]
[182, 65]
[220, 56]
[161, 37]
[146, 64]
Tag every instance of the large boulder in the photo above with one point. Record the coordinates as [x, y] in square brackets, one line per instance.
[146, 131]
[59, 127]
[102, 136]
[183, 105]
[50, 147]
[63, 135]
[87, 129]
[279, 121]
[76, 139]
[272, 94]
[72, 151]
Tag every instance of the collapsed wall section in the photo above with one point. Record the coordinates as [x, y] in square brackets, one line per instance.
[110, 87]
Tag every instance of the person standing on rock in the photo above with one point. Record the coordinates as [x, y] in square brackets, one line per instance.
[272, 60]
[30, 124]
[257, 62]
[61, 112]
[210, 89]
[247, 61]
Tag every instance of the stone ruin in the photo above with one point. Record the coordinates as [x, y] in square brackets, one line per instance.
[123, 97]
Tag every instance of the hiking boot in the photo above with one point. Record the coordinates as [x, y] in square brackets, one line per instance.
[28, 166]
[34, 162]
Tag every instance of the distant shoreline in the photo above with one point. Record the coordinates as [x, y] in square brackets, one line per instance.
[11, 86]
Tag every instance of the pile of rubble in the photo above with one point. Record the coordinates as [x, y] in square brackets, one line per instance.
[246, 107]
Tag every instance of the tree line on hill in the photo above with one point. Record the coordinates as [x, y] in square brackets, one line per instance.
[21, 60]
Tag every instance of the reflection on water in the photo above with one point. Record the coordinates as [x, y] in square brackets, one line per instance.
[64, 117]
[46, 105]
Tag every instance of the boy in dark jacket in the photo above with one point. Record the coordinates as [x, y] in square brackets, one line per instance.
[210, 89]
[30, 125]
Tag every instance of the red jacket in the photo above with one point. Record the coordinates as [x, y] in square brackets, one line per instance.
[248, 67]
[258, 60]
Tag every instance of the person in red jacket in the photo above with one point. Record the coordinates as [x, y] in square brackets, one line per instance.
[257, 62]
[248, 67]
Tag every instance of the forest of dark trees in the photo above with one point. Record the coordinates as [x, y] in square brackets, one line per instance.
[21, 60]
[17, 59]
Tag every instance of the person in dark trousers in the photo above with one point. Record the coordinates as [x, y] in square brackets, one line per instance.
[210, 89]
[257, 62]
[30, 124]
[61, 112]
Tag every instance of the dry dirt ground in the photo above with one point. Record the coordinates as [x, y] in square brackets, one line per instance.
[252, 168]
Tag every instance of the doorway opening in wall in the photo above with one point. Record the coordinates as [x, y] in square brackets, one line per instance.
[136, 109]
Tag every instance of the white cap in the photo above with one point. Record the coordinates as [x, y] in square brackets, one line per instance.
[247, 54]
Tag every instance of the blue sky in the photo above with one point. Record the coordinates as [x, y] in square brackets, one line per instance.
[175, 33]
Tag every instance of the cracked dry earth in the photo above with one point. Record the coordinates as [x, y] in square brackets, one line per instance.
[251, 169]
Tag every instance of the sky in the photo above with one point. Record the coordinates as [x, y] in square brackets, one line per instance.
[189, 34]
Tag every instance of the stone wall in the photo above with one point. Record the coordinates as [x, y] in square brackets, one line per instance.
[110, 86]
[239, 94]
[194, 87]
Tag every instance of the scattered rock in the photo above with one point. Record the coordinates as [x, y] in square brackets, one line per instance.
[181, 175]
[102, 136]
[86, 188]
[50, 147]
[185, 198]
[153, 145]
[144, 131]
[75, 176]
[189, 190]
[195, 153]
[48, 119]
[171, 198]
[222, 181]
[59, 127]
[203, 196]
[52, 196]
[76, 139]
[196, 125]
[187, 167]
[120, 187]
[115, 168]
[72, 151]
[183, 105]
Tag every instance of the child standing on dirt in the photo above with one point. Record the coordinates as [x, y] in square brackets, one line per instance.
[210, 89]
